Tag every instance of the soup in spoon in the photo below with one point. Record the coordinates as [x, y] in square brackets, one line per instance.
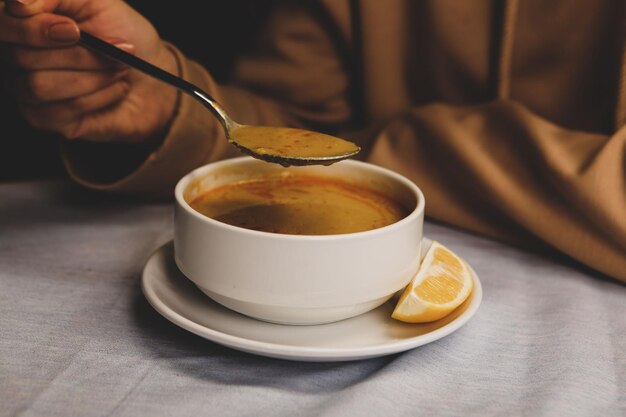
[290, 146]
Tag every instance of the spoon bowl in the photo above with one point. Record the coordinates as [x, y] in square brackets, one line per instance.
[285, 146]
[289, 146]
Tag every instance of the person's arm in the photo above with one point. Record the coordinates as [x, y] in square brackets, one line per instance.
[294, 78]
[128, 133]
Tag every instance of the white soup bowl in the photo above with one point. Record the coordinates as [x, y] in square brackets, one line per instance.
[297, 279]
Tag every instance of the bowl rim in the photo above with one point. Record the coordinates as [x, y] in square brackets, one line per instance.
[198, 172]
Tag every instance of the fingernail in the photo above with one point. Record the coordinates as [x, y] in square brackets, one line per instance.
[64, 32]
[126, 47]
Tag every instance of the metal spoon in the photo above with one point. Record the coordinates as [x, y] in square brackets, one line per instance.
[280, 145]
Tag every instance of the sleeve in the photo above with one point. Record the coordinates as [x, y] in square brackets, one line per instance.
[500, 170]
[294, 78]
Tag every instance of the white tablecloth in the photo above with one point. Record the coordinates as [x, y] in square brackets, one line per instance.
[78, 338]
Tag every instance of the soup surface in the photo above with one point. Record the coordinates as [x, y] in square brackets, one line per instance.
[299, 204]
[291, 143]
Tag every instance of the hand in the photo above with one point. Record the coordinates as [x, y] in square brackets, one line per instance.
[65, 88]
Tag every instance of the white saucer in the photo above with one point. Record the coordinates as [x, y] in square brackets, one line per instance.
[369, 335]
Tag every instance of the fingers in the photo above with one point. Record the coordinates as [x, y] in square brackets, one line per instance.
[40, 30]
[38, 87]
[24, 8]
[65, 58]
[66, 117]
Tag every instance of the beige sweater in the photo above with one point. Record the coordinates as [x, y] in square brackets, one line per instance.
[509, 116]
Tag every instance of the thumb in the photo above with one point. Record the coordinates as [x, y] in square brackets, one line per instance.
[24, 8]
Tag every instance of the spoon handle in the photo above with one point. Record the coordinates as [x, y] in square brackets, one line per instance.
[105, 48]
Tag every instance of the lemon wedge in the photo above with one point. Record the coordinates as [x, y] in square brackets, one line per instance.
[441, 284]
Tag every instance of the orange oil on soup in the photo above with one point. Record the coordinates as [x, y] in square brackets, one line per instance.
[300, 205]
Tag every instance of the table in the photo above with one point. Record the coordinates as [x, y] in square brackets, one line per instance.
[77, 337]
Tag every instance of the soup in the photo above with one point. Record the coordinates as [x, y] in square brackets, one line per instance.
[299, 204]
[291, 143]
